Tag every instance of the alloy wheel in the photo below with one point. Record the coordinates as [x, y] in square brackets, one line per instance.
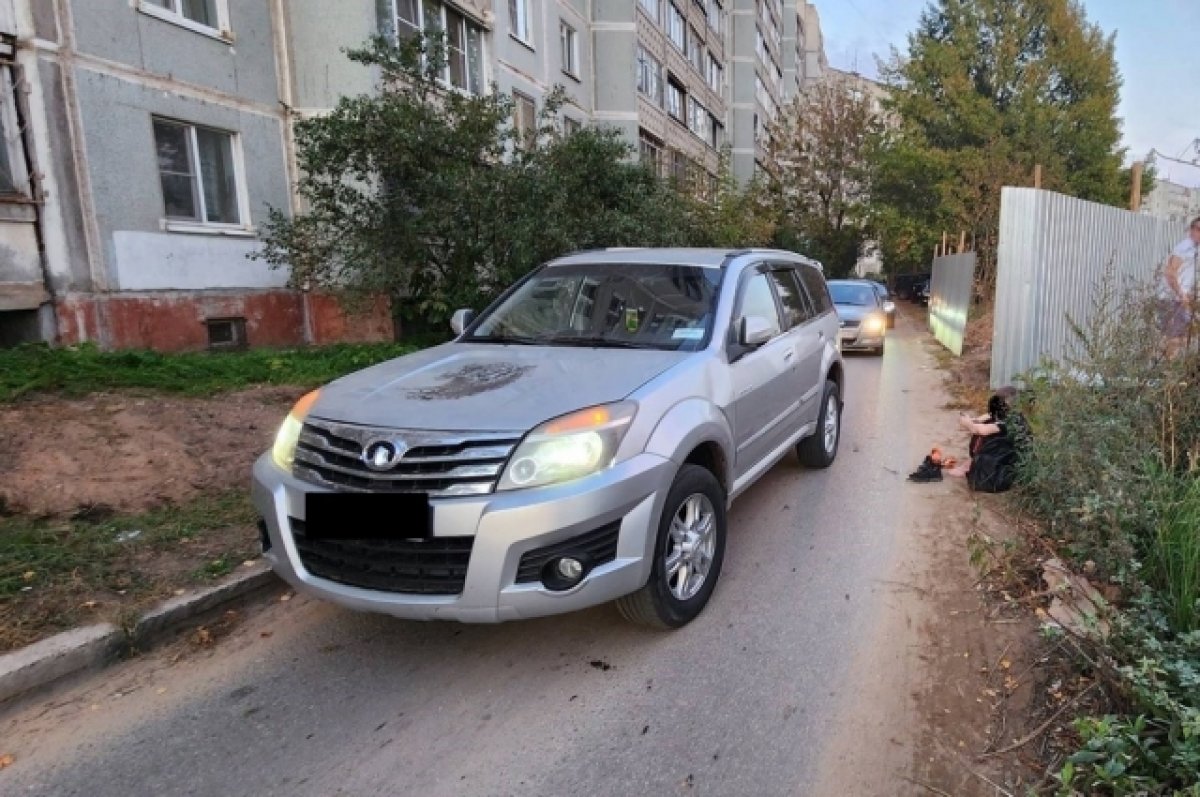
[691, 546]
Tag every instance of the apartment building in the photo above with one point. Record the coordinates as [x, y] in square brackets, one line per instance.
[144, 142]
[777, 50]
[152, 138]
[1173, 202]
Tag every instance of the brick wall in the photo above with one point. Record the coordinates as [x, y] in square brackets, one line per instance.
[175, 320]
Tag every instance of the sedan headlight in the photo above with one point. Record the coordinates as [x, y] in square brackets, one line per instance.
[284, 450]
[874, 325]
[569, 447]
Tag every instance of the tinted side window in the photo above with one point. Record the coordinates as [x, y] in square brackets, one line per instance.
[814, 281]
[758, 300]
[795, 305]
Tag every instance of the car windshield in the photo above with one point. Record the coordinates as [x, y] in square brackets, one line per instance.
[611, 305]
[852, 294]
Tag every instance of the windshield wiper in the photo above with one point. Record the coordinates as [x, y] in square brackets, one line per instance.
[516, 340]
[598, 341]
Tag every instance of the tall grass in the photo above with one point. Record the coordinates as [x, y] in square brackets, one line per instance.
[1172, 564]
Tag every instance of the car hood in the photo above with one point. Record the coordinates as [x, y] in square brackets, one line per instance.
[488, 387]
[854, 312]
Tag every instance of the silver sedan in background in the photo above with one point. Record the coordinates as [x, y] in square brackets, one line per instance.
[862, 316]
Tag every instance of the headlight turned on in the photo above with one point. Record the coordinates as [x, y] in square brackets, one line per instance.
[569, 447]
[874, 325]
[288, 436]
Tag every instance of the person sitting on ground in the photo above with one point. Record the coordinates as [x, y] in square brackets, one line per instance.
[996, 442]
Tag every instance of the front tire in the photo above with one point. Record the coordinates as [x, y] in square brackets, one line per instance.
[879, 351]
[819, 449]
[688, 553]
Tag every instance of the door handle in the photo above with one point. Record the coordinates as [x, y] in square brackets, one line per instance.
[787, 356]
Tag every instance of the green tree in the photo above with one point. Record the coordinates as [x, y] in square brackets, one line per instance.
[433, 198]
[988, 90]
[821, 172]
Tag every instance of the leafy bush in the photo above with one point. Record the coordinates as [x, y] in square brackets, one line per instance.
[85, 369]
[1115, 472]
[436, 199]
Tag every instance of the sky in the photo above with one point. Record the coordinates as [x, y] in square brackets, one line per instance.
[1158, 50]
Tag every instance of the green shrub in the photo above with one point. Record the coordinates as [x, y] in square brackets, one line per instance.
[1114, 471]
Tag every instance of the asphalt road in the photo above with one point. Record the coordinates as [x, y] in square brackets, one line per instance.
[308, 699]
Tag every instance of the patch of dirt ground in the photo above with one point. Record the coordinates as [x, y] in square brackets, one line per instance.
[128, 453]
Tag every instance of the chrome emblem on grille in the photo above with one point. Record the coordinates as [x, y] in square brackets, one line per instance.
[383, 454]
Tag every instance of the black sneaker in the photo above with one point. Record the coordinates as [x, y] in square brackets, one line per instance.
[928, 472]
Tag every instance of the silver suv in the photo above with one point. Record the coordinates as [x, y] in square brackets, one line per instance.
[579, 442]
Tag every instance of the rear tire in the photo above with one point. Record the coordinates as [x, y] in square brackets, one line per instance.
[819, 449]
[673, 597]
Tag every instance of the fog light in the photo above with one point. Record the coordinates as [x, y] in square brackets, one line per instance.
[570, 569]
[563, 573]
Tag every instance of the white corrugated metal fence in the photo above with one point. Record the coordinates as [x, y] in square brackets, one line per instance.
[1053, 250]
[950, 291]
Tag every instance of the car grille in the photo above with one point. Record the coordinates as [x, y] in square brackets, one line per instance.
[430, 566]
[437, 463]
[597, 547]
[850, 324]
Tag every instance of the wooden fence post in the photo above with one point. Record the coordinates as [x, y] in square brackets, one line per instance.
[1037, 176]
[1135, 193]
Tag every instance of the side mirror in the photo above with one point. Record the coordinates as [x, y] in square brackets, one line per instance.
[754, 331]
[461, 320]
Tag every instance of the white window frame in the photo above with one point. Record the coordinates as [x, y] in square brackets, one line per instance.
[520, 23]
[696, 49]
[569, 43]
[654, 73]
[175, 16]
[715, 76]
[444, 77]
[240, 227]
[526, 137]
[683, 98]
[676, 24]
[652, 9]
[713, 14]
[11, 141]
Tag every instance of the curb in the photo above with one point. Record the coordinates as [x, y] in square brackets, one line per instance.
[96, 646]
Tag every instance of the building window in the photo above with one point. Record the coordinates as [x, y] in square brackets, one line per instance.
[698, 117]
[716, 132]
[13, 177]
[521, 20]
[408, 19]
[649, 76]
[8, 182]
[226, 333]
[675, 100]
[676, 29]
[713, 13]
[714, 73]
[207, 16]
[199, 174]
[652, 9]
[462, 38]
[651, 152]
[696, 50]
[571, 126]
[569, 41]
[525, 118]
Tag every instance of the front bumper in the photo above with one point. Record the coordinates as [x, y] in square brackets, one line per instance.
[853, 338]
[504, 526]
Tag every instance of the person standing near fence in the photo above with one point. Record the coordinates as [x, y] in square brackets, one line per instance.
[1177, 291]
